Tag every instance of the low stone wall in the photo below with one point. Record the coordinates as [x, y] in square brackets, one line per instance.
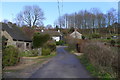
[25, 60]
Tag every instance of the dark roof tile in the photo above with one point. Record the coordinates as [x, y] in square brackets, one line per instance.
[15, 32]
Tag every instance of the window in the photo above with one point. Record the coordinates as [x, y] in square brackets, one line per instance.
[27, 45]
[19, 45]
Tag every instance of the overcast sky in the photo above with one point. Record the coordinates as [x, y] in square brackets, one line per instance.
[11, 9]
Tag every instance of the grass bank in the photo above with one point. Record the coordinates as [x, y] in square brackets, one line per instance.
[95, 72]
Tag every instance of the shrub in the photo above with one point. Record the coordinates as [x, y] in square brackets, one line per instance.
[112, 42]
[108, 38]
[98, 54]
[50, 45]
[59, 42]
[10, 56]
[45, 51]
[83, 37]
[29, 53]
[96, 35]
[4, 39]
[34, 52]
[102, 57]
[118, 41]
[39, 40]
[71, 30]
[25, 54]
[71, 43]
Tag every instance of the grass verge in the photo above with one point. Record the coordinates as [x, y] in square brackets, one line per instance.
[72, 51]
[39, 60]
[48, 56]
[95, 71]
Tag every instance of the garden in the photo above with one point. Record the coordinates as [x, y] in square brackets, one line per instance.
[42, 46]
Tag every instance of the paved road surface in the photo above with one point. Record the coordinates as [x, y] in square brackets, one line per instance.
[64, 65]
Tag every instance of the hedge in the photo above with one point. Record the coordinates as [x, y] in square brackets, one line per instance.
[10, 56]
[51, 46]
[46, 51]
[40, 39]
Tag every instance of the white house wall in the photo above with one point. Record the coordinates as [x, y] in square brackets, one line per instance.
[56, 38]
[76, 34]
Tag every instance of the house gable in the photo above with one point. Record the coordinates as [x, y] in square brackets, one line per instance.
[76, 34]
[10, 39]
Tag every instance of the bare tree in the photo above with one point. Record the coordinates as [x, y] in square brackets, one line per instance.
[5, 21]
[93, 20]
[111, 17]
[80, 18]
[49, 26]
[94, 12]
[31, 15]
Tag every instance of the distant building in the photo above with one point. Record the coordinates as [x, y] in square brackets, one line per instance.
[119, 12]
[14, 36]
[56, 35]
[76, 34]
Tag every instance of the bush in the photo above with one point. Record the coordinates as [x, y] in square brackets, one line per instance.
[4, 39]
[50, 45]
[112, 42]
[46, 51]
[71, 43]
[34, 52]
[40, 39]
[25, 54]
[59, 42]
[96, 35]
[30, 53]
[118, 41]
[10, 56]
[71, 30]
[94, 51]
[102, 57]
[108, 38]
[83, 37]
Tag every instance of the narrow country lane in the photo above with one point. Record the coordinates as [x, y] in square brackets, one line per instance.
[64, 65]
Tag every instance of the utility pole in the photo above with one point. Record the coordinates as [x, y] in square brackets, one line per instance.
[119, 12]
[75, 20]
[66, 22]
[59, 14]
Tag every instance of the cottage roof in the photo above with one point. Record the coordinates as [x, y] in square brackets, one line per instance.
[15, 32]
